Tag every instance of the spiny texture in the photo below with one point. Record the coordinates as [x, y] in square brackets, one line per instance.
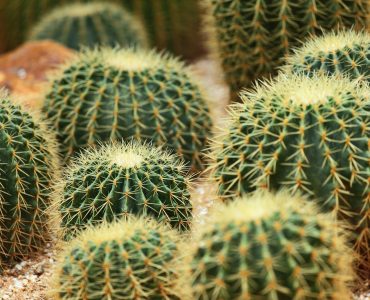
[271, 247]
[121, 94]
[251, 37]
[346, 52]
[128, 260]
[123, 179]
[88, 25]
[28, 164]
[303, 134]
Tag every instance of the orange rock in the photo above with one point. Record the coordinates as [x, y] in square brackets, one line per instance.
[23, 72]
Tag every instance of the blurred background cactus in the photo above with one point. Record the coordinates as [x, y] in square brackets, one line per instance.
[89, 25]
[251, 38]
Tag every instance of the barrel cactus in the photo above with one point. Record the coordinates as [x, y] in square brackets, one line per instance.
[122, 94]
[28, 169]
[271, 247]
[345, 52]
[251, 37]
[118, 180]
[304, 134]
[136, 259]
[91, 24]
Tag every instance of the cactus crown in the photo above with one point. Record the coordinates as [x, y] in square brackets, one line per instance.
[271, 247]
[138, 259]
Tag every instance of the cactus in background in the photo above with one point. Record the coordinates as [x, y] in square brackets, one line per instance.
[28, 164]
[118, 180]
[99, 23]
[271, 247]
[303, 134]
[346, 52]
[136, 259]
[251, 38]
[114, 94]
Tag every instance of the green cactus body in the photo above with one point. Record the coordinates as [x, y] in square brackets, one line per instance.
[108, 95]
[345, 52]
[88, 25]
[303, 134]
[119, 180]
[28, 164]
[130, 260]
[270, 247]
[252, 37]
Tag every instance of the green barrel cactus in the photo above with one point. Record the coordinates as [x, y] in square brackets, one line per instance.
[304, 134]
[89, 25]
[271, 247]
[136, 259]
[345, 52]
[119, 180]
[251, 38]
[28, 168]
[119, 94]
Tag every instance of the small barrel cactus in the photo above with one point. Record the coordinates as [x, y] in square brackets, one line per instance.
[122, 94]
[28, 169]
[252, 37]
[136, 259]
[304, 134]
[271, 247]
[91, 24]
[345, 52]
[118, 180]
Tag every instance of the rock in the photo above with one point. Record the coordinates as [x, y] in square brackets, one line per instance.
[23, 72]
[39, 269]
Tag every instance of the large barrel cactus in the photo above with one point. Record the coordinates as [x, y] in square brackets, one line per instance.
[120, 94]
[271, 247]
[252, 37]
[304, 134]
[28, 169]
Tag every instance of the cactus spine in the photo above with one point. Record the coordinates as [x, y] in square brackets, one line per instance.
[251, 37]
[136, 259]
[114, 94]
[81, 25]
[28, 163]
[304, 134]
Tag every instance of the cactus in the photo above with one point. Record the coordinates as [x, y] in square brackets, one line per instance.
[271, 247]
[250, 38]
[88, 25]
[28, 164]
[136, 259]
[118, 180]
[345, 52]
[303, 134]
[115, 94]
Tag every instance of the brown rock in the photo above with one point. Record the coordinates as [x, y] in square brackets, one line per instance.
[23, 72]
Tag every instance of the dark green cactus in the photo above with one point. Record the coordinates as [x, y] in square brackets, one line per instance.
[136, 259]
[28, 168]
[89, 25]
[271, 247]
[119, 180]
[252, 37]
[303, 134]
[346, 52]
[115, 94]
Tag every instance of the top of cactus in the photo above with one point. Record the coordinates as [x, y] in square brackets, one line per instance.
[298, 89]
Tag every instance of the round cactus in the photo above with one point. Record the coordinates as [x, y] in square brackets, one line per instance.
[115, 94]
[346, 52]
[136, 259]
[304, 134]
[271, 247]
[251, 38]
[118, 180]
[89, 25]
[28, 169]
